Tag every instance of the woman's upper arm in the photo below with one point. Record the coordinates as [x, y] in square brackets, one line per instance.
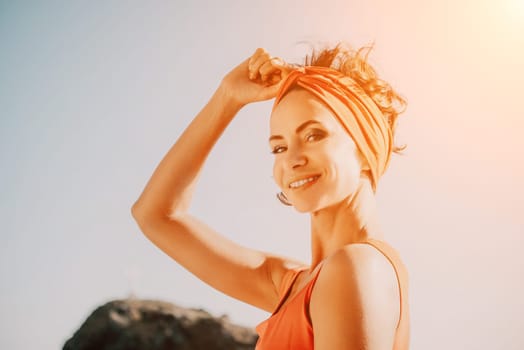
[242, 273]
[355, 302]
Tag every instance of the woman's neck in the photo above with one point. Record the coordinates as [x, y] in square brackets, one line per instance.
[350, 221]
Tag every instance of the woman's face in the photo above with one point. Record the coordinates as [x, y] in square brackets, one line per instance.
[316, 162]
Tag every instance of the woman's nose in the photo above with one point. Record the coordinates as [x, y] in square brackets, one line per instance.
[296, 158]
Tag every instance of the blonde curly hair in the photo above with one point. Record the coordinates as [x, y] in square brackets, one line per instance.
[354, 63]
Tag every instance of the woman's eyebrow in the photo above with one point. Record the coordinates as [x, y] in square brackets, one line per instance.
[299, 129]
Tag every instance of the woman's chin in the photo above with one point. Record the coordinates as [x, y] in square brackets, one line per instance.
[308, 207]
[301, 209]
[317, 206]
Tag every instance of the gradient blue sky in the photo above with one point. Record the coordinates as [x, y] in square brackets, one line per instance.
[92, 95]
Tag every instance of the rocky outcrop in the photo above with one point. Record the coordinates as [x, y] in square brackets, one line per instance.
[153, 325]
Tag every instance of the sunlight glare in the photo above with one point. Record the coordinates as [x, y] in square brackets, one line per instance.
[515, 10]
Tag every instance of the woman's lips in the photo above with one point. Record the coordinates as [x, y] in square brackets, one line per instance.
[304, 182]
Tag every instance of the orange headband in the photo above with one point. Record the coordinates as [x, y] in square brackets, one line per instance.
[354, 109]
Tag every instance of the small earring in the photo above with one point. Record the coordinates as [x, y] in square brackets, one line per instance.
[283, 199]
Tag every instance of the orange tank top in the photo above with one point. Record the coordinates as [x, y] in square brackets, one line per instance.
[289, 326]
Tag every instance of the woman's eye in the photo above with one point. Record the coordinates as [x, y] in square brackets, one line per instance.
[278, 149]
[313, 137]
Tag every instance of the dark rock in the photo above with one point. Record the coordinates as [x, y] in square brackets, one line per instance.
[155, 325]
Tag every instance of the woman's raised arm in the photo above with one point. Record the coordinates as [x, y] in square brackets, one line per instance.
[161, 210]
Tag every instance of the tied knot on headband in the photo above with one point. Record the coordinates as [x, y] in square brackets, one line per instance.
[353, 107]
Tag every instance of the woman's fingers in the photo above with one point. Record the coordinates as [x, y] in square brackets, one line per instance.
[270, 69]
[263, 67]
[256, 60]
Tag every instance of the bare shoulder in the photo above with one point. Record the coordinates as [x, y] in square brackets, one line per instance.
[362, 267]
[364, 261]
[355, 299]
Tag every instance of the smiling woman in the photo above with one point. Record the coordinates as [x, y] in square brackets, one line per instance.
[332, 129]
[316, 164]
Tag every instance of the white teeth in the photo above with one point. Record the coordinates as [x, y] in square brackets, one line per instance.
[302, 182]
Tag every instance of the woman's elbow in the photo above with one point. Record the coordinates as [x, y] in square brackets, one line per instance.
[140, 213]
[146, 214]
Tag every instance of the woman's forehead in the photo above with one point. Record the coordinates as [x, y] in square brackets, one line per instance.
[298, 106]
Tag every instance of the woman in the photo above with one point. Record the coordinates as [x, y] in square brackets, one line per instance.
[332, 128]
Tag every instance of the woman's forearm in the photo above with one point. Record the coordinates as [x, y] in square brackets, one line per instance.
[171, 185]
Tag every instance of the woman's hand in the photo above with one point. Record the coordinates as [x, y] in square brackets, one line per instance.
[256, 79]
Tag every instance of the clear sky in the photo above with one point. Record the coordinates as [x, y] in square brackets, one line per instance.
[92, 95]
